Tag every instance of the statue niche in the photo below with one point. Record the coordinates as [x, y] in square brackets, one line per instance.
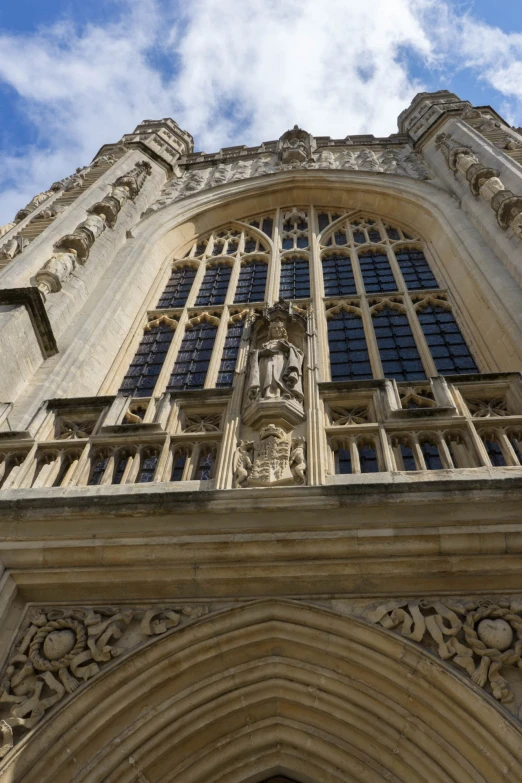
[276, 367]
[274, 389]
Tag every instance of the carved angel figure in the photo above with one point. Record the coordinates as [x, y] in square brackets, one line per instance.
[276, 368]
[243, 463]
[298, 460]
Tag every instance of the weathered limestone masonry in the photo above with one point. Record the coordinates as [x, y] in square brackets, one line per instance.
[261, 460]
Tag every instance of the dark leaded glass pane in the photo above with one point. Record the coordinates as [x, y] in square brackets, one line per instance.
[204, 468]
[323, 220]
[121, 464]
[431, 456]
[268, 227]
[229, 356]
[295, 279]
[338, 276]
[148, 469]
[377, 273]
[194, 355]
[144, 369]
[349, 358]
[251, 283]
[399, 355]
[214, 286]
[415, 270]
[344, 461]
[407, 457]
[368, 459]
[448, 348]
[98, 470]
[495, 453]
[516, 448]
[393, 234]
[178, 466]
[177, 289]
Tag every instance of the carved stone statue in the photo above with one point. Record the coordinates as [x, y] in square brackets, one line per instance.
[349, 161]
[367, 161]
[296, 146]
[241, 170]
[13, 248]
[298, 461]
[196, 181]
[5, 229]
[219, 176]
[326, 160]
[243, 463]
[276, 367]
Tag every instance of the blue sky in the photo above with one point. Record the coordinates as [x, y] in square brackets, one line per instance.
[74, 76]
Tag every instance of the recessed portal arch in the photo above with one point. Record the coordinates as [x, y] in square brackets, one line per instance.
[273, 688]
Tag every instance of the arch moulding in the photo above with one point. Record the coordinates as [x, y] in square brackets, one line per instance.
[273, 688]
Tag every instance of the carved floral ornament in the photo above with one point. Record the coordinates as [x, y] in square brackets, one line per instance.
[483, 637]
[63, 648]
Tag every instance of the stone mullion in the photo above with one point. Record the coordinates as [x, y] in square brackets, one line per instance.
[386, 450]
[71, 472]
[354, 454]
[232, 283]
[507, 448]
[225, 467]
[84, 466]
[272, 288]
[170, 359]
[191, 465]
[417, 452]
[132, 468]
[27, 468]
[217, 350]
[445, 454]
[196, 284]
[371, 339]
[476, 440]
[317, 298]
[316, 436]
[420, 340]
[163, 458]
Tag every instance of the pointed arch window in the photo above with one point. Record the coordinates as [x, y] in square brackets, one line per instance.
[445, 341]
[143, 372]
[251, 284]
[190, 369]
[178, 288]
[214, 287]
[295, 278]
[397, 348]
[349, 359]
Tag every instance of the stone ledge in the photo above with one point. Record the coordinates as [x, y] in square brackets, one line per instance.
[30, 297]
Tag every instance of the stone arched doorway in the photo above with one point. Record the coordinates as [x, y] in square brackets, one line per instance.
[272, 690]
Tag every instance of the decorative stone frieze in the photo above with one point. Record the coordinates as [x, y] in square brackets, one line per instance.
[61, 648]
[298, 150]
[481, 636]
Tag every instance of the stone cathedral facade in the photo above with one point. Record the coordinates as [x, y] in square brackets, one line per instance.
[261, 460]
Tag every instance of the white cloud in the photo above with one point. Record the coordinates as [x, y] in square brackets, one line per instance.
[232, 71]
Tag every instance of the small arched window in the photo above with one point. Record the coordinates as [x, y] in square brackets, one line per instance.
[295, 278]
[349, 359]
[98, 468]
[178, 288]
[144, 369]
[399, 355]
[251, 284]
[431, 454]
[148, 465]
[338, 275]
[214, 287]
[193, 358]
[446, 343]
